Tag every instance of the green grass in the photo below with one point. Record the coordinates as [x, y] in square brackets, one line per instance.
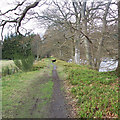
[96, 93]
[20, 92]
[7, 67]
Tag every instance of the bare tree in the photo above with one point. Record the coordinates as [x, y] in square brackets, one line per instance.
[59, 16]
[118, 69]
[37, 46]
[104, 24]
[20, 17]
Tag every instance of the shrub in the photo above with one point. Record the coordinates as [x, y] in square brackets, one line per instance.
[18, 64]
[24, 63]
[27, 63]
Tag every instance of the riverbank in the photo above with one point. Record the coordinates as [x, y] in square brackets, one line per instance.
[92, 94]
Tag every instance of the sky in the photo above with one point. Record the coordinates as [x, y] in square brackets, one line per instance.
[37, 28]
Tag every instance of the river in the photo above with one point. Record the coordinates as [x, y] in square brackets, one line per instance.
[108, 65]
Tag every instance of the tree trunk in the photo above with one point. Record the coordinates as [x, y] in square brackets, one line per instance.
[86, 43]
[76, 35]
[98, 56]
[118, 68]
[77, 55]
[77, 49]
[60, 54]
[98, 59]
[38, 50]
[84, 29]
[73, 50]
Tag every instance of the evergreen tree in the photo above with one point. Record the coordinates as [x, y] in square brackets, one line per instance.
[11, 45]
[16, 45]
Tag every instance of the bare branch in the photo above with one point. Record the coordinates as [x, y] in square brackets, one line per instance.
[18, 20]
[24, 13]
[13, 8]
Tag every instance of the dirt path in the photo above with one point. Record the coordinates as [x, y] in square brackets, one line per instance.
[58, 107]
[42, 98]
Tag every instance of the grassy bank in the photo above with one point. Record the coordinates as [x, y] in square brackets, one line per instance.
[27, 94]
[94, 94]
[7, 67]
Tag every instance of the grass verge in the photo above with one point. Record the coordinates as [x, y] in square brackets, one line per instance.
[94, 94]
[26, 94]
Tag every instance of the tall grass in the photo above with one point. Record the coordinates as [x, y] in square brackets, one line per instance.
[8, 67]
[7, 70]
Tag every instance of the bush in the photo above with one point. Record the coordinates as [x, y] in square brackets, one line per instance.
[27, 63]
[18, 64]
[24, 64]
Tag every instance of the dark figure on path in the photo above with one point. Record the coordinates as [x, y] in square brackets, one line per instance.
[53, 60]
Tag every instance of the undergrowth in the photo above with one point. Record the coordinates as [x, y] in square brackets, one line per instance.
[96, 92]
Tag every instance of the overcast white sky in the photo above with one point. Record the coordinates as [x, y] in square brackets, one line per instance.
[6, 5]
[37, 28]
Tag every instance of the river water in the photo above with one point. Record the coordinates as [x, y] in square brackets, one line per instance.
[108, 65]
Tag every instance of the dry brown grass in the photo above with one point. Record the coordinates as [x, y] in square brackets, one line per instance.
[4, 63]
